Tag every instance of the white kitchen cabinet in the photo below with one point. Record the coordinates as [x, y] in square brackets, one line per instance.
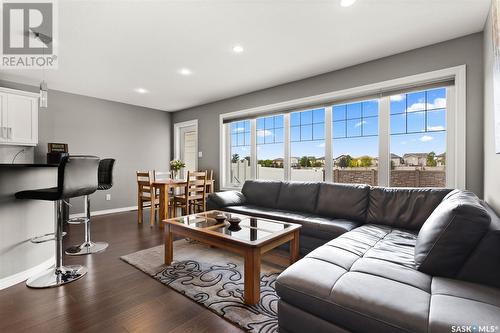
[18, 117]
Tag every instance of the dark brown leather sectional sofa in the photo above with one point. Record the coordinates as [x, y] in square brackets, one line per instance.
[382, 259]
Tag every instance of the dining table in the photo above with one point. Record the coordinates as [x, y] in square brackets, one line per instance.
[164, 186]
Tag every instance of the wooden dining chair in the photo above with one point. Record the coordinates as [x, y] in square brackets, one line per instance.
[165, 175]
[146, 196]
[210, 181]
[161, 175]
[194, 197]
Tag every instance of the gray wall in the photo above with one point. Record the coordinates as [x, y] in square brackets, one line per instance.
[138, 138]
[466, 50]
[491, 160]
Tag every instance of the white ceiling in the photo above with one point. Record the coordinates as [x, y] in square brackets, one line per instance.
[108, 48]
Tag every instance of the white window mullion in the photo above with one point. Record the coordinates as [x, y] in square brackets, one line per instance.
[286, 144]
[226, 153]
[451, 157]
[328, 145]
[384, 135]
[253, 148]
[455, 142]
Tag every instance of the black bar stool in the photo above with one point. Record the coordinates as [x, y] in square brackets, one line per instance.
[105, 179]
[77, 176]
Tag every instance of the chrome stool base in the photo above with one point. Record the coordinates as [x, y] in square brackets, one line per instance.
[53, 277]
[86, 248]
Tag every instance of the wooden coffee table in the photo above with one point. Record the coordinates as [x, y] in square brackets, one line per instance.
[253, 237]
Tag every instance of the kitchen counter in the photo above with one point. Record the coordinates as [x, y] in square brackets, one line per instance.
[27, 165]
[20, 220]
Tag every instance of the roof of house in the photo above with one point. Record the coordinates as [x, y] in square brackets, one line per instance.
[395, 156]
[417, 155]
[340, 156]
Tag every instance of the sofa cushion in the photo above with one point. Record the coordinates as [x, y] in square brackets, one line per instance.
[406, 208]
[462, 304]
[261, 193]
[343, 201]
[368, 283]
[483, 265]
[358, 293]
[298, 196]
[328, 228]
[270, 213]
[450, 234]
[226, 198]
[312, 225]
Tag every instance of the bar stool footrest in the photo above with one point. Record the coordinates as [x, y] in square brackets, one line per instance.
[78, 220]
[45, 238]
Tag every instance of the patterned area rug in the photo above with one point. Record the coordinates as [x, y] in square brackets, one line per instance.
[214, 278]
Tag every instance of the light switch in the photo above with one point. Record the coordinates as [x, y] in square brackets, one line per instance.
[200, 154]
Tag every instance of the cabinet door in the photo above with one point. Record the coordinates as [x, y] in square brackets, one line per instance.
[22, 119]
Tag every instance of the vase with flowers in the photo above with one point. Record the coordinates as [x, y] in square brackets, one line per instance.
[176, 166]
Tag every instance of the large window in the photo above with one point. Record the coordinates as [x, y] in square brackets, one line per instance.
[307, 145]
[418, 139]
[355, 142]
[240, 152]
[270, 148]
[400, 140]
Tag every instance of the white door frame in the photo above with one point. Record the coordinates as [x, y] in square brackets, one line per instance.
[177, 138]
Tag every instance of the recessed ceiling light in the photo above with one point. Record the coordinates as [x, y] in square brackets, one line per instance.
[185, 71]
[141, 90]
[238, 49]
[347, 3]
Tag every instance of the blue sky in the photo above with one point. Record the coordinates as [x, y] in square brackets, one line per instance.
[417, 126]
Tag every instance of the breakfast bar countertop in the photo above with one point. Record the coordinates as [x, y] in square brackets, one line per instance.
[27, 165]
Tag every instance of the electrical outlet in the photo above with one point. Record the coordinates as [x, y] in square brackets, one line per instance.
[108, 197]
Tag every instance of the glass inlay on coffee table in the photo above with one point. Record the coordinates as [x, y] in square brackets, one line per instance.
[251, 238]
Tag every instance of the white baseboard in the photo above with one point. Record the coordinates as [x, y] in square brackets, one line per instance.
[106, 211]
[24, 275]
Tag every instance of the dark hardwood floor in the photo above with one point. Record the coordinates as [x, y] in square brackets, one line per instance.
[113, 296]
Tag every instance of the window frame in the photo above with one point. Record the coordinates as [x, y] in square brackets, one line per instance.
[455, 123]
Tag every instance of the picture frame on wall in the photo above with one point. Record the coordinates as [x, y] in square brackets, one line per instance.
[496, 69]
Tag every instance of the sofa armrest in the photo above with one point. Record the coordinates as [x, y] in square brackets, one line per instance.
[224, 199]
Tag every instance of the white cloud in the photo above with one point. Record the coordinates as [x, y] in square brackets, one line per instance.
[439, 103]
[360, 123]
[435, 128]
[426, 138]
[321, 145]
[240, 129]
[419, 107]
[264, 133]
[397, 98]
